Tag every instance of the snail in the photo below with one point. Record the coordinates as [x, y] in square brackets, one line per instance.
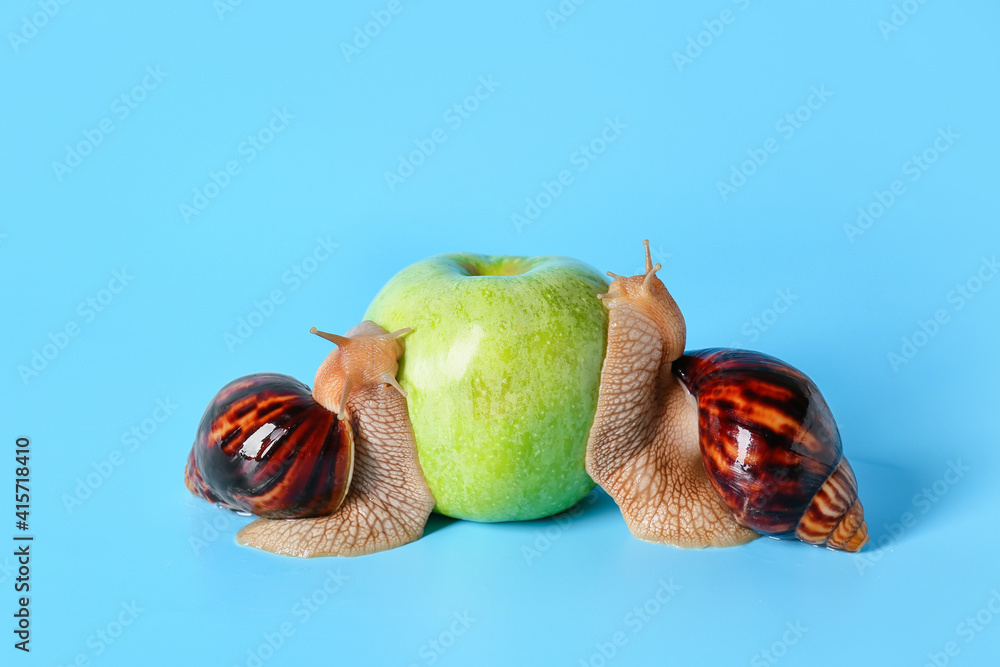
[709, 448]
[713, 447]
[331, 472]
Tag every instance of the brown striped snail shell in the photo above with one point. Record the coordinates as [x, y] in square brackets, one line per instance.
[266, 446]
[772, 449]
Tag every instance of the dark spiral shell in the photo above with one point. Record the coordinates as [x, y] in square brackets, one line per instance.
[265, 446]
[772, 449]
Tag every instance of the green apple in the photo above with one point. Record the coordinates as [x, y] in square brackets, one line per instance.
[502, 371]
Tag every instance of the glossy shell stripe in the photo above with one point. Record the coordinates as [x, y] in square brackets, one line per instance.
[265, 446]
[771, 447]
[836, 504]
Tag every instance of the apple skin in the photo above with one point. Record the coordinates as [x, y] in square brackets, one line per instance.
[502, 371]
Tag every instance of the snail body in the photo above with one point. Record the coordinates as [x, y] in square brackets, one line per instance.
[715, 447]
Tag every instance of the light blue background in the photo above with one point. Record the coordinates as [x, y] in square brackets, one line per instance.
[323, 176]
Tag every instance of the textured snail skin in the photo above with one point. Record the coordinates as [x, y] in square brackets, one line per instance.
[265, 446]
[675, 464]
[388, 502]
[643, 446]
